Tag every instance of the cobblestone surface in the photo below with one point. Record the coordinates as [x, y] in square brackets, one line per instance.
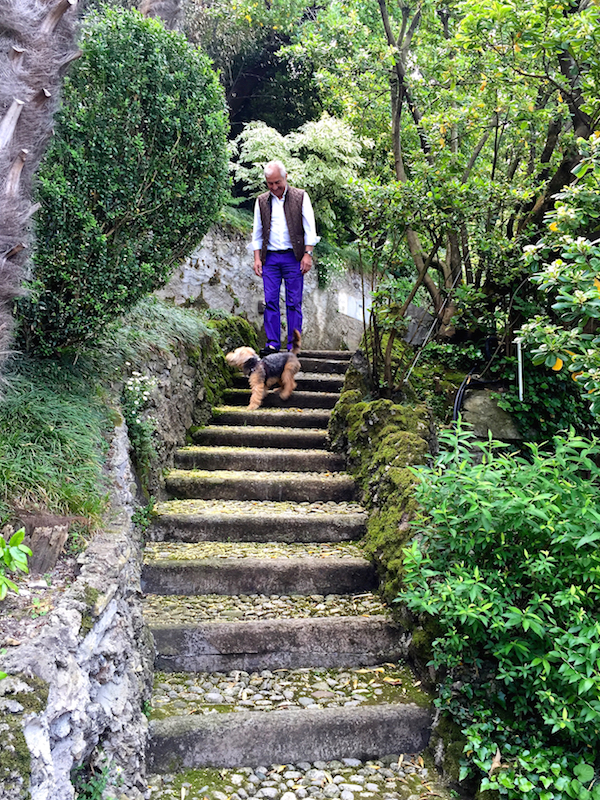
[257, 507]
[209, 693]
[160, 609]
[393, 777]
[174, 551]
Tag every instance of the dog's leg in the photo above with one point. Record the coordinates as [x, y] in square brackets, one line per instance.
[259, 390]
[287, 380]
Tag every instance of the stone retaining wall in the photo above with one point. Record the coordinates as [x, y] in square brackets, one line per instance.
[93, 659]
[219, 274]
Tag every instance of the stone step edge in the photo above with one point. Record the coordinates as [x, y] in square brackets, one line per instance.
[234, 576]
[292, 643]
[286, 737]
[280, 527]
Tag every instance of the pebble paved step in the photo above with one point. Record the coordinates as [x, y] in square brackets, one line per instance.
[282, 737]
[263, 459]
[327, 355]
[181, 693]
[243, 521]
[253, 630]
[388, 777]
[246, 436]
[307, 575]
[288, 418]
[241, 397]
[280, 643]
[305, 382]
[328, 366]
[226, 485]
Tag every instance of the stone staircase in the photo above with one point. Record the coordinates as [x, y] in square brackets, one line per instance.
[272, 647]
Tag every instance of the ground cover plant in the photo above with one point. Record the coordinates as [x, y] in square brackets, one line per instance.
[506, 561]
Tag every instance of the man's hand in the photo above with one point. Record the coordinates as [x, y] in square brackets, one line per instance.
[306, 263]
[257, 267]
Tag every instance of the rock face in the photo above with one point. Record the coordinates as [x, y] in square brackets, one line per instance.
[481, 410]
[219, 275]
[94, 659]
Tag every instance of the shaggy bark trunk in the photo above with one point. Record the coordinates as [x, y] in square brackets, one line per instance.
[36, 43]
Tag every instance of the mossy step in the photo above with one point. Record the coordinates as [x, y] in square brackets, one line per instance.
[177, 693]
[279, 486]
[229, 740]
[257, 521]
[179, 551]
[258, 458]
[305, 382]
[266, 417]
[289, 643]
[282, 576]
[241, 397]
[391, 776]
[329, 366]
[328, 355]
[259, 436]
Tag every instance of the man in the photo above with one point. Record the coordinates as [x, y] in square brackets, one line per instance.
[283, 240]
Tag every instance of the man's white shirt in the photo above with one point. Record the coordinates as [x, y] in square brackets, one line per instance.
[279, 238]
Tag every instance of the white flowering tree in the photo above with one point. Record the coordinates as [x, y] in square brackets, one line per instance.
[323, 157]
[567, 266]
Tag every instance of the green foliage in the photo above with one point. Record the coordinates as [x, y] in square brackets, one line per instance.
[133, 178]
[551, 402]
[52, 441]
[143, 515]
[507, 561]
[141, 428]
[90, 784]
[13, 558]
[323, 157]
[567, 268]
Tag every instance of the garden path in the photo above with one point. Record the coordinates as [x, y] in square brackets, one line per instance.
[278, 669]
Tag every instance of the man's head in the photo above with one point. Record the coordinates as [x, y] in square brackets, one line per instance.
[276, 178]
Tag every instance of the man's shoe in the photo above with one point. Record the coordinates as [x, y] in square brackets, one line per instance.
[269, 350]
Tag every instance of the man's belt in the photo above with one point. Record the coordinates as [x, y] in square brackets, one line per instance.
[280, 252]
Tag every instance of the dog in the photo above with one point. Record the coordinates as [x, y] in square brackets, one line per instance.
[263, 373]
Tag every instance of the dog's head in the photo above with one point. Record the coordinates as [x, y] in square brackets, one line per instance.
[238, 357]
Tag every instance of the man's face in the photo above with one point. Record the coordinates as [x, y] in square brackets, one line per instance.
[276, 183]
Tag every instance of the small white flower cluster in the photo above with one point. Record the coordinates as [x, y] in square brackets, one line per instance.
[137, 391]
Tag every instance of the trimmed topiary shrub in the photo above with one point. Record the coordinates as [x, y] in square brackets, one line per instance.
[133, 179]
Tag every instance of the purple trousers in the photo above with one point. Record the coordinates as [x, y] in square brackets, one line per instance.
[278, 267]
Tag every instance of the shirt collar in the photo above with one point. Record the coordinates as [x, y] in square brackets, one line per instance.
[282, 196]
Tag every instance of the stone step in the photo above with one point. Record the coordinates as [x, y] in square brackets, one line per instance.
[179, 693]
[281, 576]
[262, 459]
[305, 382]
[189, 644]
[230, 740]
[279, 486]
[323, 365]
[241, 397]
[328, 355]
[392, 776]
[258, 436]
[271, 417]
[260, 521]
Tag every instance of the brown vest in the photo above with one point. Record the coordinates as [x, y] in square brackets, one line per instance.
[292, 208]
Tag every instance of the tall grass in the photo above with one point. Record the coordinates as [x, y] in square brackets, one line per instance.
[52, 442]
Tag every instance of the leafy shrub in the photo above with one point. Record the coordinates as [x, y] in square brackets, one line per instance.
[132, 181]
[507, 561]
[13, 558]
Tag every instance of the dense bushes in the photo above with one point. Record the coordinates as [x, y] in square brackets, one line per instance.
[134, 177]
[507, 562]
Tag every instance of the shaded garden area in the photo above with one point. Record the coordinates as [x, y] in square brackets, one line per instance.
[452, 153]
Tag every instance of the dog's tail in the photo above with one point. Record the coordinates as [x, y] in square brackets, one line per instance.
[296, 342]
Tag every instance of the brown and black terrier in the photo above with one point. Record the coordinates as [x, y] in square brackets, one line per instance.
[262, 373]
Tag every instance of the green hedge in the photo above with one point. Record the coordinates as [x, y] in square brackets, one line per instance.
[134, 177]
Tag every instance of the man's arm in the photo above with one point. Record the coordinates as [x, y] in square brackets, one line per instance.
[257, 237]
[310, 234]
